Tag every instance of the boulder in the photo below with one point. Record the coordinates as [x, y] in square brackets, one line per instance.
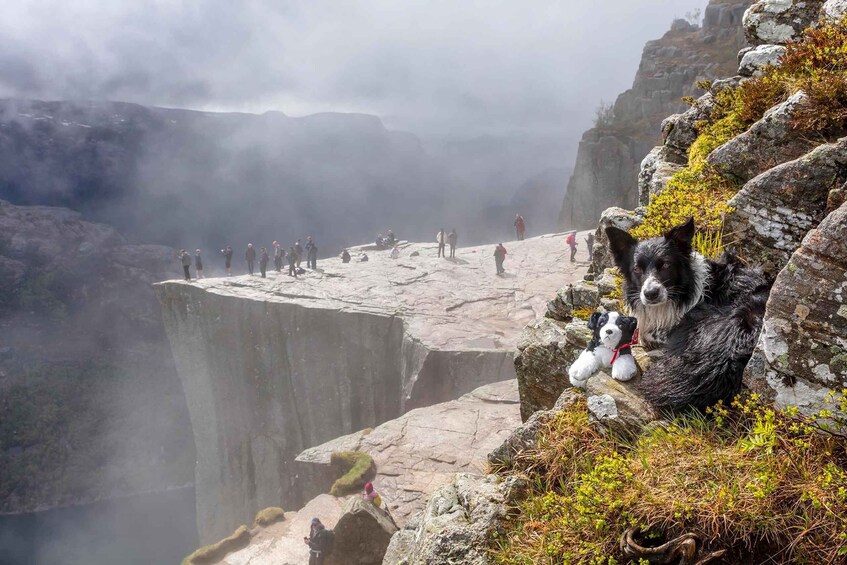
[458, 523]
[774, 211]
[679, 131]
[620, 218]
[759, 57]
[835, 9]
[585, 295]
[616, 403]
[545, 352]
[561, 307]
[768, 142]
[779, 21]
[362, 534]
[657, 168]
[802, 352]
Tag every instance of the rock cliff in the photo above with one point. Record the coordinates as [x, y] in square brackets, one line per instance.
[273, 366]
[90, 405]
[609, 154]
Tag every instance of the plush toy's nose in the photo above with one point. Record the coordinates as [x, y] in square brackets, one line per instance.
[609, 332]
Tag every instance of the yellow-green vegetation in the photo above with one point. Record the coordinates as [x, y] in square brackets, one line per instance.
[750, 479]
[358, 467]
[816, 64]
[217, 551]
[583, 313]
[268, 516]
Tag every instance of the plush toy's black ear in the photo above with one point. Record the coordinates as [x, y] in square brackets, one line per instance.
[620, 244]
[592, 321]
[628, 322]
[682, 235]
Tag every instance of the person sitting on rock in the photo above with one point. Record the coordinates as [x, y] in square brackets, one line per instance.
[345, 256]
[395, 252]
[371, 495]
[319, 542]
[363, 258]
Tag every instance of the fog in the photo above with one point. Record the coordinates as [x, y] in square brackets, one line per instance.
[280, 120]
[440, 68]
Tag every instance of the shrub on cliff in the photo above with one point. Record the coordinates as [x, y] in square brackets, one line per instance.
[268, 516]
[217, 551]
[359, 468]
[750, 479]
[817, 65]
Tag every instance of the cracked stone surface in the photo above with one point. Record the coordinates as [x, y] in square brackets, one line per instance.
[422, 450]
[273, 366]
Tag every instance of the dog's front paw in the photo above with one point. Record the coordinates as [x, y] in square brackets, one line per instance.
[624, 368]
[582, 369]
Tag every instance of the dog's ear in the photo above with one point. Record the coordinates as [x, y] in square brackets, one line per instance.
[620, 244]
[592, 321]
[682, 235]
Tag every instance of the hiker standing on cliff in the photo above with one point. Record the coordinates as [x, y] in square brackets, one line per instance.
[251, 257]
[311, 253]
[278, 256]
[319, 542]
[299, 250]
[263, 262]
[571, 241]
[198, 264]
[186, 263]
[441, 239]
[227, 253]
[452, 238]
[292, 262]
[589, 241]
[520, 227]
[499, 257]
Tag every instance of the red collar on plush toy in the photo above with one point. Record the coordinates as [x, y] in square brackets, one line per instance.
[617, 351]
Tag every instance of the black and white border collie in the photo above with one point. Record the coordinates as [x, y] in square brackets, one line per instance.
[610, 346]
[700, 319]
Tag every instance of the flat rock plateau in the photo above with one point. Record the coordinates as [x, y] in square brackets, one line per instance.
[273, 366]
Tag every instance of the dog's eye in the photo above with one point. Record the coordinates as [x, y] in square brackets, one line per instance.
[637, 270]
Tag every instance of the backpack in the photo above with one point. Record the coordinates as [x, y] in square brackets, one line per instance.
[327, 541]
[571, 239]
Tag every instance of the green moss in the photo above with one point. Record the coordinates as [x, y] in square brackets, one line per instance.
[268, 516]
[749, 479]
[217, 551]
[358, 468]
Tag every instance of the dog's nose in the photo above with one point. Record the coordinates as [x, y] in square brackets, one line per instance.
[651, 293]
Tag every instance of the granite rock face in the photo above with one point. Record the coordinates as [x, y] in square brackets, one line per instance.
[457, 524]
[609, 155]
[545, 352]
[358, 344]
[775, 210]
[770, 141]
[620, 218]
[362, 534]
[835, 9]
[779, 21]
[85, 361]
[803, 348]
[422, 449]
[756, 59]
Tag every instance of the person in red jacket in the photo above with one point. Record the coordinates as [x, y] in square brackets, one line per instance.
[499, 257]
[520, 226]
[571, 241]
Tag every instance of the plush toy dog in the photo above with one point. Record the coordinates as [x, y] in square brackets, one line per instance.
[609, 347]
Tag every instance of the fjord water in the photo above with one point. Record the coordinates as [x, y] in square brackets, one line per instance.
[144, 529]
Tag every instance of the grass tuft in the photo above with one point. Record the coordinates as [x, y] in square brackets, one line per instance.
[217, 551]
[268, 516]
[359, 468]
[756, 481]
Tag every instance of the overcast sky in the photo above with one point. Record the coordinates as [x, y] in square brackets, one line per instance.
[453, 67]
